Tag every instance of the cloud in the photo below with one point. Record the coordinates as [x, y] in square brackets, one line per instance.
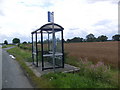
[95, 1]
[39, 3]
[103, 22]
[78, 17]
[4, 37]
[73, 29]
[1, 13]
[11, 36]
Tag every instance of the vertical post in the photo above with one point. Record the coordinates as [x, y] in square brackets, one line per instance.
[53, 37]
[32, 49]
[42, 50]
[48, 43]
[36, 51]
[62, 50]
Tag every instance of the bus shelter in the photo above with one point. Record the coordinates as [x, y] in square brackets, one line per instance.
[45, 48]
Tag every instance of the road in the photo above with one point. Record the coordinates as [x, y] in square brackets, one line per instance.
[12, 74]
[9, 48]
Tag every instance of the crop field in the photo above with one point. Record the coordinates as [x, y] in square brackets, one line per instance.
[106, 52]
[97, 75]
[94, 51]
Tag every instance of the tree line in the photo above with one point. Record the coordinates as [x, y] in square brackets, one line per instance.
[14, 41]
[92, 38]
[89, 38]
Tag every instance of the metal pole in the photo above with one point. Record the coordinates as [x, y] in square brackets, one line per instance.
[48, 43]
[42, 50]
[32, 50]
[53, 37]
[62, 50]
[36, 51]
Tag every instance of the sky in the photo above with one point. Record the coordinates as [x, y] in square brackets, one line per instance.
[18, 18]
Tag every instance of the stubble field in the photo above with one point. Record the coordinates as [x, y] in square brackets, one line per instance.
[94, 51]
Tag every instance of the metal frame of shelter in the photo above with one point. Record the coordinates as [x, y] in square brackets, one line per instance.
[44, 51]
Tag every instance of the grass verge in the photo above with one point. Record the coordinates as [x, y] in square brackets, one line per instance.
[99, 77]
[68, 80]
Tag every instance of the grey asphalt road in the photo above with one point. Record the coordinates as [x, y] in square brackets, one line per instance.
[9, 48]
[12, 74]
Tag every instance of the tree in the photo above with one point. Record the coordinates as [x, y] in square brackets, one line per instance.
[6, 42]
[116, 37]
[39, 41]
[16, 40]
[24, 42]
[75, 39]
[64, 41]
[90, 38]
[29, 42]
[68, 40]
[102, 38]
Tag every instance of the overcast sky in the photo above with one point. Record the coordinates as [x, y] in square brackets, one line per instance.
[18, 18]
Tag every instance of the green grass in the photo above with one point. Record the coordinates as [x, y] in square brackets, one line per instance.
[25, 46]
[6, 46]
[68, 80]
[25, 54]
[100, 77]
[103, 73]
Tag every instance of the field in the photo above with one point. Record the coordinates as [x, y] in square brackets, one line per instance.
[106, 52]
[94, 51]
[90, 75]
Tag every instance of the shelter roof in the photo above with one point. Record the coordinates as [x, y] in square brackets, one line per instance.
[48, 28]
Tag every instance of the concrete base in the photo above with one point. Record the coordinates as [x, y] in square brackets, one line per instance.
[38, 70]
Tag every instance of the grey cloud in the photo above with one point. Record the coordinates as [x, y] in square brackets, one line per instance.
[1, 13]
[22, 37]
[14, 35]
[79, 33]
[37, 4]
[103, 22]
[1, 8]
[4, 37]
[74, 28]
[94, 1]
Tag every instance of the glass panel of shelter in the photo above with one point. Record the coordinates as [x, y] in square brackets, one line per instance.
[36, 49]
[48, 50]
